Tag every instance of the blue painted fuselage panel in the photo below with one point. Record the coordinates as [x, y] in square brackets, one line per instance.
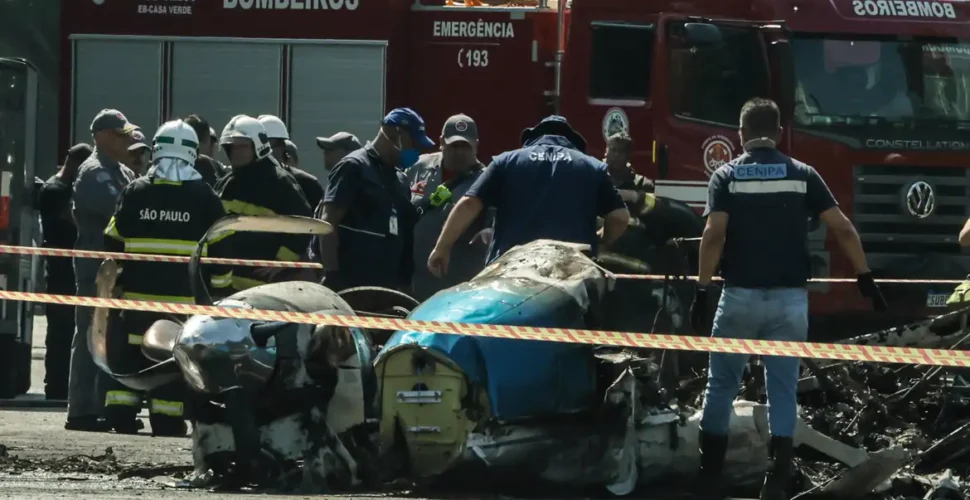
[524, 378]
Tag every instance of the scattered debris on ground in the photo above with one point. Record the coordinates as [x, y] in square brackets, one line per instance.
[923, 410]
[107, 463]
[104, 464]
[899, 432]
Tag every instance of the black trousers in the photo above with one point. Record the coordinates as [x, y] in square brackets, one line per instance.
[60, 334]
[165, 404]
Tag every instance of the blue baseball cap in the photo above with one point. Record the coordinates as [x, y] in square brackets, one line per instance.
[409, 119]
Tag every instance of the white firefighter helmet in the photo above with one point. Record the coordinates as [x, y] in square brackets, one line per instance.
[175, 139]
[247, 127]
[275, 128]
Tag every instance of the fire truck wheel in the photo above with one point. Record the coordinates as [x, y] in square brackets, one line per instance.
[14, 367]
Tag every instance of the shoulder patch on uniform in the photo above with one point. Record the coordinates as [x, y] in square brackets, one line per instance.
[758, 171]
[102, 177]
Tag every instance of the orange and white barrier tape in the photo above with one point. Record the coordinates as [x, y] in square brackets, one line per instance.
[813, 280]
[146, 257]
[876, 354]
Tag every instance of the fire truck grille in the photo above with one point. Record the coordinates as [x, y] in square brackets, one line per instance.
[884, 221]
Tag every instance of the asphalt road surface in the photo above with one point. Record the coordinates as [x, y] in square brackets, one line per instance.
[39, 459]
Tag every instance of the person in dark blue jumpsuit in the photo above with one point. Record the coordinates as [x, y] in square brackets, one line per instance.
[368, 201]
[548, 189]
[60, 232]
[758, 212]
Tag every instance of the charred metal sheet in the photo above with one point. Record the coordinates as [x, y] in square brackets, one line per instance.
[867, 476]
[293, 296]
[558, 264]
[929, 333]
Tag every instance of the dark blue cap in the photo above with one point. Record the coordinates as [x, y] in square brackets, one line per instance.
[410, 120]
[554, 119]
[555, 125]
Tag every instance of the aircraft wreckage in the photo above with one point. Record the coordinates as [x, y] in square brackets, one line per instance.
[320, 408]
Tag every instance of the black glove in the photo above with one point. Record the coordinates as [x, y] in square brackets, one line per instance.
[869, 289]
[699, 313]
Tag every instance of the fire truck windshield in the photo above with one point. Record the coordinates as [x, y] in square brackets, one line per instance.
[855, 84]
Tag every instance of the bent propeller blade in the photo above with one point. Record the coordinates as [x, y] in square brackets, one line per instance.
[290, 224]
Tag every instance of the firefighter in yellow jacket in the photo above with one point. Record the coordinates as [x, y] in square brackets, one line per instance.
[166, 212]
[258, 185]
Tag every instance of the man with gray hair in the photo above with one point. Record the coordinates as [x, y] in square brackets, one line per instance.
[99, 182]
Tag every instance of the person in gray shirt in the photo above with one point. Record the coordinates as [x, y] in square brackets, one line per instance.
[100, 180]
[438, 181]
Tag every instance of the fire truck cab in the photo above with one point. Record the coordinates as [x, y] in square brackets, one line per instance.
[874, 93]
[18, 220]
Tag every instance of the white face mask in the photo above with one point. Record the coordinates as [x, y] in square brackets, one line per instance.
[760, 142]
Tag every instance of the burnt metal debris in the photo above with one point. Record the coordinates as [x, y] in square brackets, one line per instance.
[893, 432]
[875, 431]
[921, 410]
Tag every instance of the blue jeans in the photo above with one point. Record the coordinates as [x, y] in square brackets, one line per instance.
[765, 314]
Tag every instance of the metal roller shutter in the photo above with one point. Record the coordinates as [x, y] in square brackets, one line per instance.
[220, 80]
[334, 87]
[120, 74]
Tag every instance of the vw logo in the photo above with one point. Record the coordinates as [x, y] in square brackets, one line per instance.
[920, 200]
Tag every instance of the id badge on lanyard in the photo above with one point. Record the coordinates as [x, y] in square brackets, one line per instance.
[392, 226]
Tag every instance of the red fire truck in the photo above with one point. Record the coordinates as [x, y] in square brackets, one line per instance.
[875, 93]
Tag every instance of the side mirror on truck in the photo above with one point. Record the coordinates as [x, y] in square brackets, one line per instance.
[702, 34]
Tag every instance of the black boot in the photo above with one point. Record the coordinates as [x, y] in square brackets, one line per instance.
[126, 426]
[168, 426]
[713, 450]
[90, 423]
[123, 419]
[778, 477]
